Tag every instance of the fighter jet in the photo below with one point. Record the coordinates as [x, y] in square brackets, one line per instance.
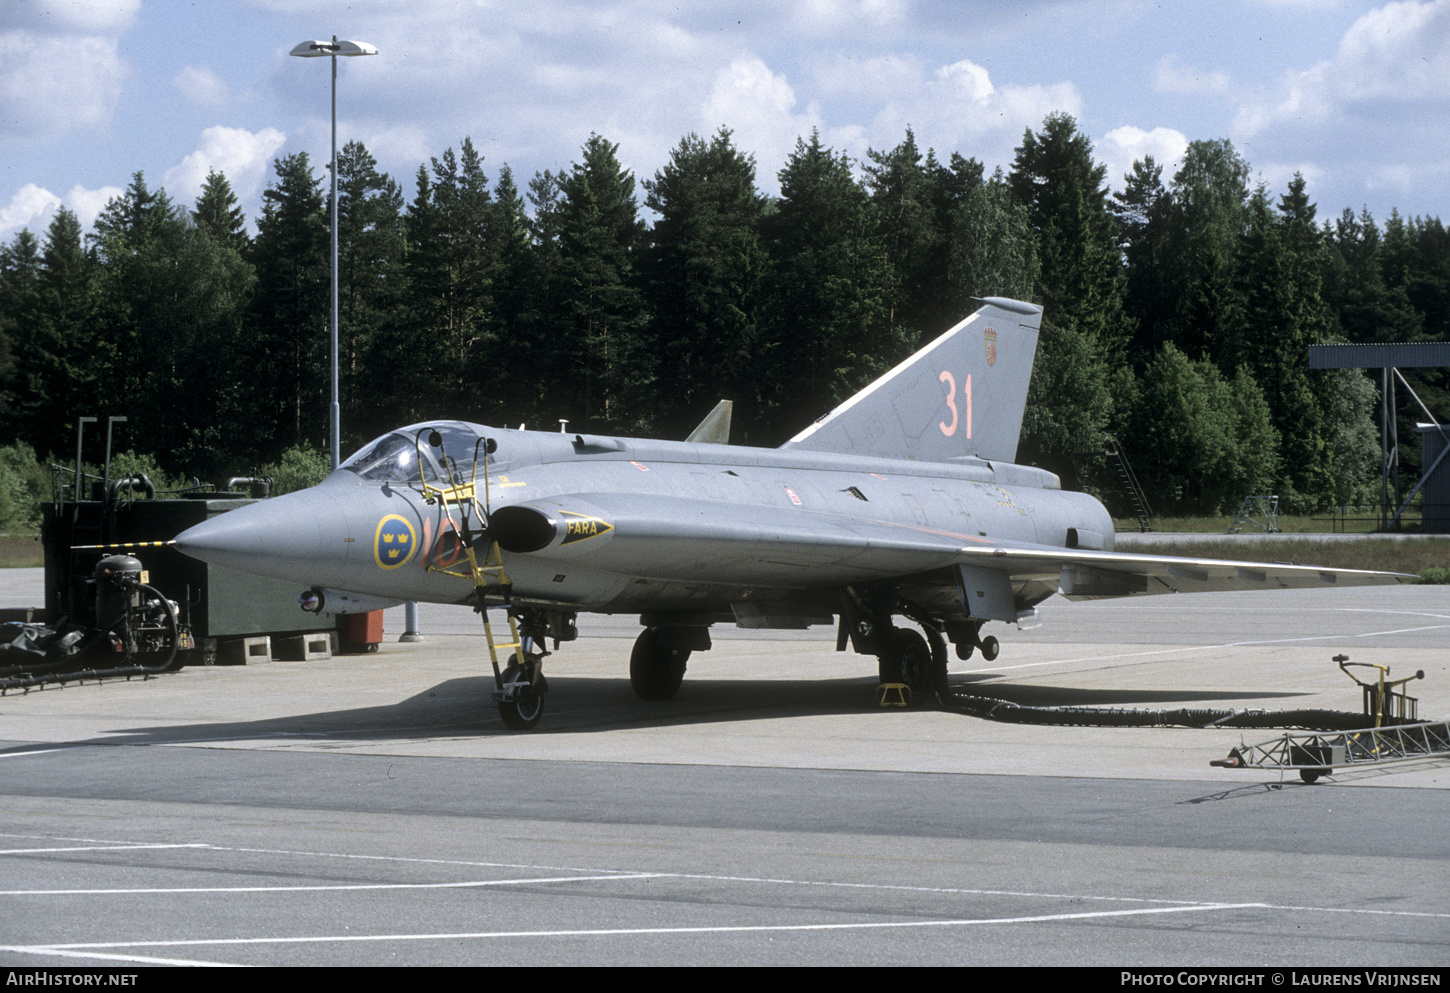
[899, 516]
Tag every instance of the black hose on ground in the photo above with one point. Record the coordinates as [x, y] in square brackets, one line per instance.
[992, 709]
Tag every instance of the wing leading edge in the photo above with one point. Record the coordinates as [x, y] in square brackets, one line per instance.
[678, 538]
[1087, 575]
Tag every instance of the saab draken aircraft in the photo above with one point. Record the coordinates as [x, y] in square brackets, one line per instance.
[902, 503]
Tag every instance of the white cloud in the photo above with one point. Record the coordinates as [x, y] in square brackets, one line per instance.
[759, 107]
[1172, 75]
[1397, 54]
[405, 143]
[819, 16]
[955, 107]
[203, 87]
[53, 84]
[849, 75]
[959, 108]
[240, 155]
[1123, 146]
[1400, 51]
[65, 16]
[28, 205]
[34, 207]
[967, 80]
[88, 204]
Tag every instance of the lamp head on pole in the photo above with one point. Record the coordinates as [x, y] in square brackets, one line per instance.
[318, 49]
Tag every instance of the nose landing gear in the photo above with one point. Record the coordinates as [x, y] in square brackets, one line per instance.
[520, 694]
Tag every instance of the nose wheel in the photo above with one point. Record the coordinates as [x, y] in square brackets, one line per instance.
[521, 696]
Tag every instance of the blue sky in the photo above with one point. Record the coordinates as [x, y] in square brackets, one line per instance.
[1355, 95]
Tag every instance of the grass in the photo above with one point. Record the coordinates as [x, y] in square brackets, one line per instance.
[1362, 522]
[21, 550]
[1424, 557]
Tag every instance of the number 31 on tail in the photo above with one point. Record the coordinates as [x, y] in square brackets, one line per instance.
[957, 416]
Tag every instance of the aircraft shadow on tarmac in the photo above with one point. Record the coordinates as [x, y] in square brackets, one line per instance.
[463, 707]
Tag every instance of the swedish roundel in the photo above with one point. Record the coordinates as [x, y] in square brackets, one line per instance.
[394, 543]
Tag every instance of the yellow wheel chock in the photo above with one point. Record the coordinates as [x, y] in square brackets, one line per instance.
[893, 695]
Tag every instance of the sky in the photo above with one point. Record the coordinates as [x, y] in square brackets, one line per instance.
[1353, 95]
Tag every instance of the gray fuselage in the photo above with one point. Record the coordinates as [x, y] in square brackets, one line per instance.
[625, 525]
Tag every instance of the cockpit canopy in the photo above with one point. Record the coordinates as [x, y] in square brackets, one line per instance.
[409, 455]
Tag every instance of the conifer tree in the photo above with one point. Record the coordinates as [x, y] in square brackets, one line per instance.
[371, 281]
[291, 311]
[1144, 229]
[31, 362]
[1277, 315]
[701, 269]
[601, 368]
[1080, 286]
[1206, 220]
[218, 213]
[826, 325]
[913, 232]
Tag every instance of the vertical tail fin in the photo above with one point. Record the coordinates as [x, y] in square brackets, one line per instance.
[715, 427]
[961, 395]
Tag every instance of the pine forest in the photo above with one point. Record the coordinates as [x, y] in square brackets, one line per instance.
[1178, 311]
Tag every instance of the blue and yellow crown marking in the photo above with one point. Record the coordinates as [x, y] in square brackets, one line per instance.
[394, 542]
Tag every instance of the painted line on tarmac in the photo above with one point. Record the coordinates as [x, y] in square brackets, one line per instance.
[593, 873]
[349, 887]
[112, 957]
[96, 848]
[625, 932]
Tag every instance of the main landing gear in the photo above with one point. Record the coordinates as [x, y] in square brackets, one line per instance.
[919, 663]
[657, 664]
[905, 657]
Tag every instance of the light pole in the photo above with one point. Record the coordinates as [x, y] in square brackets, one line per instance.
[332, 49]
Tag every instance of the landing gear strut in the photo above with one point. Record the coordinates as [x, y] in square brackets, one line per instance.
[903, 656]
[519, 689]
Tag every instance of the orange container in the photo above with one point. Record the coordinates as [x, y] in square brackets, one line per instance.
[364, 631]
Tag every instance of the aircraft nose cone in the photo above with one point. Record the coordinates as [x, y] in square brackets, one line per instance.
[280, 537]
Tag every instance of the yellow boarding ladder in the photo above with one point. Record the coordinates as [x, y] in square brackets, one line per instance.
[465, 495]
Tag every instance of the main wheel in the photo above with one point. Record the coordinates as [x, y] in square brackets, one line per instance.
[521, 713]
[909, 662]
[655, 673]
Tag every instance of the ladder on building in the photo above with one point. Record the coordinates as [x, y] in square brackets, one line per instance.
[1129, 482]
[1260, 511]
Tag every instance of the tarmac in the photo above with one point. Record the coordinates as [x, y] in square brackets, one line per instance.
[773, 762]
[788, 699]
